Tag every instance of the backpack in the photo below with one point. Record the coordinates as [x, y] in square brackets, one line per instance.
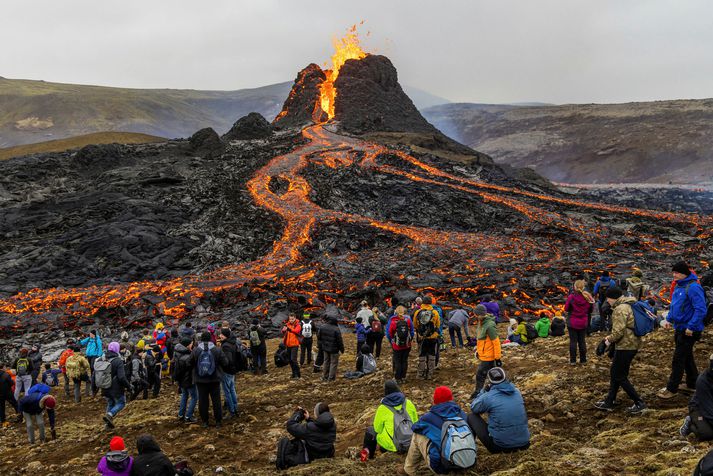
[708, 318]
[281, 357]
[705, 465]
[425, 321]
[369, 364]
[206, 362]
[376, 326]
[254, 338]
[102, 373]
[291, 453]
[23, 365]
[307, 329]
[644, 318]
[603, 289]
[243, 358]
[402, 333]
[402, 428]
[139, 374]
[531, 332]
[458, 450]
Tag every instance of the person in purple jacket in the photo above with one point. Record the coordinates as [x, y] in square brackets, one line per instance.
[117, 461]
[492, 307]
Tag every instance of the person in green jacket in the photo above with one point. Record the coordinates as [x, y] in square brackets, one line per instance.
[542, 326]
[383, 433]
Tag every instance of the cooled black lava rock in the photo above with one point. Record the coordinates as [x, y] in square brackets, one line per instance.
[302, 105]
[252, 126]
[206, 142]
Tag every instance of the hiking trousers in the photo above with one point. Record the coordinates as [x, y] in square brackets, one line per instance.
[66, 384]
[619, 376]
[205, 391]
[683, 361]
[400, 359]
[259, 357]
[480, 428]
[22, 384]
[577, 338]
[306, 350]
[374, 340]
[454, 330]
[293, 353]
[78, 388]
[331, 363]
[701, 427]
[39, 421]
[481, 375]
[6, 398]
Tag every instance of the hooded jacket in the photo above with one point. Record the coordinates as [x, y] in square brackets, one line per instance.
[623, 325]
[458, 318]
[604, 282]
[542, 326]
[115, 463]
[702, 400]
[384, 418]
[488, 341]
[30, 403]
[430, 426]
[493, 308]
[220, 363]
[578, 308]
[229, 347]
[318, 434]
[94, 346]
[330, 338]
[557, 326]
[292, 331]
[182, 370]
[636, 287]
[435, 319]
[688, 305]
[507, 417]
[118, 376]
[151, 461]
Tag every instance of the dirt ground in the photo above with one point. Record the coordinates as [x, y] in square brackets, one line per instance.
[568, 435]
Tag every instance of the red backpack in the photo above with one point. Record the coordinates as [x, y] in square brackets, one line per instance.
[376, 325]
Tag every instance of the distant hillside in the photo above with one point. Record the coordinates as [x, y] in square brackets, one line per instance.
[654, 142]
[60, 145]
[36, 111]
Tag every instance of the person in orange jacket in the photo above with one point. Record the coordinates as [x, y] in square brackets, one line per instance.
[62, 364]
[488, 346]
[292, 332]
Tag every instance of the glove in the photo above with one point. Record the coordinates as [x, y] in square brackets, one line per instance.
[498, 363]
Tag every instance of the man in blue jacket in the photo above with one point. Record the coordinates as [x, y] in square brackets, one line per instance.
[686, 314]
[93, 343]
[32, 406]
[506, 429]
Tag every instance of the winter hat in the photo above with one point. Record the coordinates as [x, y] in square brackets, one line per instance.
[614, 293]
[681, 267]
[24, 352]
[205, 336]
[496, 375]
[159, 326]
[114, 347]
[390, 386]
[186, 341]
[256, 322]
[117, 444]
[442, 395]
[48, 401]
[124, 335]
[558, 313]
[320, 408]
[140, 344]
[365, 349]
[225, 332]
[427, 300]
[480, 310]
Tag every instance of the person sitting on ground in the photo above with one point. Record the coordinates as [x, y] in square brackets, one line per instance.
[520, 334]
[117, 461]
[32, 407]
[506, 429]
[542, 326]
[391, 431]
[365, 364]
[150, 460]
[427, 442]
[49, 376]
[512, 327]
[488, 350]
[318, 433]
[558, 325]
[700, 408]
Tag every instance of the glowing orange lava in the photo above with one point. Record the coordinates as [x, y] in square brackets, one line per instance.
[345, 48]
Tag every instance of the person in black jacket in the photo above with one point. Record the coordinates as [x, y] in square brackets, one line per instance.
[258, 347]
[183, 376]
[332, 344]
[208, 383]
[151, 461]
[36, 357]
[5, 392]
[318, 433]
[700, 409]
[229, 346]
[114, 395]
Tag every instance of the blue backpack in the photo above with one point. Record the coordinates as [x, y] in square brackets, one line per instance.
[206, 362]
[458, 449]
[644, 318]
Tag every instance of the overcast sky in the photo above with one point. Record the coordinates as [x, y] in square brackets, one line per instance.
[496, 51]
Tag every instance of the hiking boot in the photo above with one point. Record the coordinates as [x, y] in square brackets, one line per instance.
[665, 394]
[181, 418]
[109, 420]
[685, 429]
[604, 406]
[573, 363]
[218, 424]
[636, 408]
[204, 424]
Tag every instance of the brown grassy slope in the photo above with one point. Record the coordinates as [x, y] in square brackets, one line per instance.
[568, 435]
[60, 145]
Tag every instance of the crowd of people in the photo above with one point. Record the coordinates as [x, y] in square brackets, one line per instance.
[203, 364]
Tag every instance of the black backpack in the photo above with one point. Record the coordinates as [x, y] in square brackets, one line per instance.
[281, 356]
[531, 332]
[705, 465]
[425, 322]
[402, 334]
[291, 453]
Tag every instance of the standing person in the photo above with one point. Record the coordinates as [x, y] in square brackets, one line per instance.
[700, 409]
[488, 350]
[150, 460]
[400, 336]
[137, 374]
[292, 334]
[183, 376]
[627, 345]
[364, 312]
[154, 362]
[35, 357]
[600, 289]
[332, 343]
[579, 307]
[457, 320]
[427, 323]
[5, 392]
[635, 285]
[229, 346]
[93, 343]
[32, 407]
[78, 371]
[686, 313]
[492, 306]
[188, 330]
[117, 461]
[62, 364]
[23, 373]
[360, 332]
[258, 347]
[114, 392]
[208, 362]
[306, 344]
[375, 331]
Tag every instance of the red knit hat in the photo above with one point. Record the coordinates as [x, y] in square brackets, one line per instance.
[117, 444]
[441, 395]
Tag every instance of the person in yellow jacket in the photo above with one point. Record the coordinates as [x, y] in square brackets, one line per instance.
[427, 322]
[78, 371]
[488, 349]
[394, 407]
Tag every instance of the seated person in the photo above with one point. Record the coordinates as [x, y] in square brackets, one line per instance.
[542, 326]
[506, 429]
[150, 460]
[558, 325]
[391, 430]
[365, 364]
[700, 409]
[313, 437]
[519, 336]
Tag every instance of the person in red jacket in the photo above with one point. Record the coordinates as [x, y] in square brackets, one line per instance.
[62, 364]
[400, 334]
[579, 305]
[292, 335]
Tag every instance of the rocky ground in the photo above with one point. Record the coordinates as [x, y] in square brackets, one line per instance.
[567, 433]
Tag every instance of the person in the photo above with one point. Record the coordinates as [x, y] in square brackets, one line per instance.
[160, 336]
[78, 371]
[183, 376]
[627, 345]
[400, 336]
[23, 373]
[457, 322]
[306, 344]
[488, 350]
[292, 334]
[332, 344]
[258, 347]
[115, 393]
[579, 306]
[150, 460]
[427, 323]
[519, 336]
[364, 312]
[208, 362]
[117, 461]
[426, 443]
[506, 429]
[365, 364]
[188, 330]
[318, 433]
[542, 326]
[137, 373]
[491, 306]
[686, 313]
[62, 363]
[375, 331]
[635, 285]
[441, 343]
[558, 325]
[93, 343]
[360, 332]
[153, 361]
[32, 407]
[35, 357]
[6, 394]
[229, 346]
[49, 376]
[600, 289]
[391, 429]
[700, 408]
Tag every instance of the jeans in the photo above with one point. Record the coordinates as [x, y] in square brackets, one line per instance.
[400, 358]
[577, 339]
[22, 384]
[209, 390]
[683, 361]
[293, 361]
[453, 330]
[231, 397]
[306, 350]
[115, 404]
[621, 363]
[331, 363]
[191, 392]
[39, 421]
[480, 427]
